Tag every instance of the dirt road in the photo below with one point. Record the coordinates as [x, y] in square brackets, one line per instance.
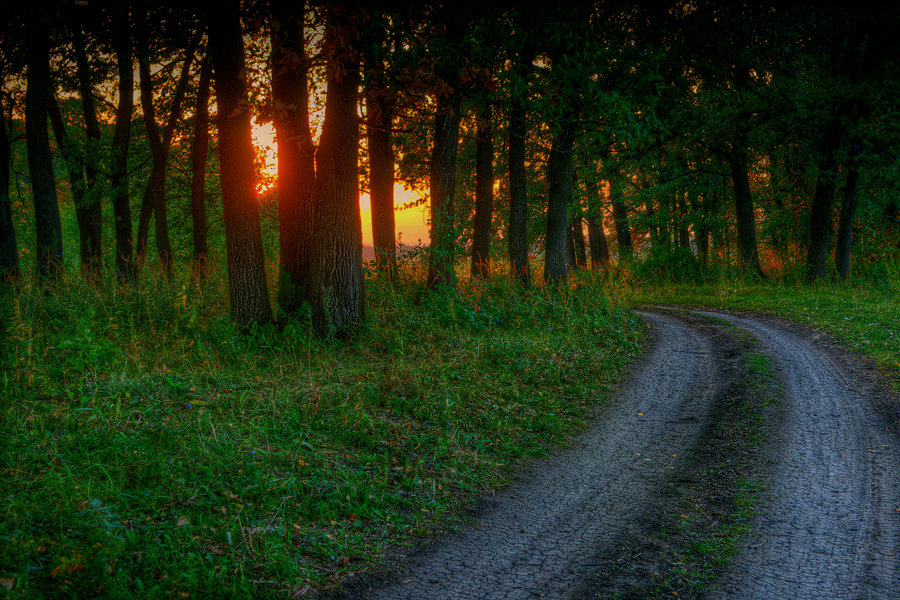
[832, 530]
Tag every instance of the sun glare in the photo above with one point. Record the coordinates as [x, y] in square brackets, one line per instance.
[411, 223]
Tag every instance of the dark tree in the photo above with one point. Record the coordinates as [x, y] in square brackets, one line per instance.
[48, 228]
[337, 292]
[381, 106]
[849, 205]
[125, 267]
[578, 237]
[518, 180]
[296, 153]
[154, 201]
[559, 180]
[596, 236]
[484, 195]
[442, 183]
[9, 250]
[620, 217]
[820, 214]
[743, 207]
[247, 286]
[199, 150]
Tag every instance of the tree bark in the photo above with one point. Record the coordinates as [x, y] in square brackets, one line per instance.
[9, 249]
[442, 183]
[125, 267]
[578, 238]
[596, 236]
[845, 224]
[820, 217]
[336, 281]
[380, 113]
[154, 201]
[559, 178]
[247, 286]
[484, 196]
[90, 213]
[89, 243]
[623, 230]
[743, 206]
[518, 182]
[199, 150]
[296, 154]
[48, 228]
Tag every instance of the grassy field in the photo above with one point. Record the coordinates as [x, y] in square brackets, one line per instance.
[151, 450]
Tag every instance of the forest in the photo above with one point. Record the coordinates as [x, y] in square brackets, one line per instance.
[215, 379]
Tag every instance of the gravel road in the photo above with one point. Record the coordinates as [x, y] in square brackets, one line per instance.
[831, 532]
[833, 528]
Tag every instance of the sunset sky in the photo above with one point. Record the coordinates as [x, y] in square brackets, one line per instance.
[411, 224]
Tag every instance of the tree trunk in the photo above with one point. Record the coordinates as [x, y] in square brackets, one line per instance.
[9, 249]
[596, 236]
[743, 206]
[518, 181]
[578, 237]
[91, 210]
[296, 154]
[441, 269]
[559, 178]
[154, 201]
[820, 217]
[845, 225]
[620, 217]
[247, 286]
[484, 196]
[199, 151]
[48, 229]
[336, 282]
[89, 243]
[684, 234]
[125, 267]
[380, 114]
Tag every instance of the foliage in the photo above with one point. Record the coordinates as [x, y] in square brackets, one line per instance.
[155, 451]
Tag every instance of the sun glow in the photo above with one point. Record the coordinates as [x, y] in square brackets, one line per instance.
[411, 222]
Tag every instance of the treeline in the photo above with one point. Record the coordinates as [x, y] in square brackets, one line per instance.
[688, 127]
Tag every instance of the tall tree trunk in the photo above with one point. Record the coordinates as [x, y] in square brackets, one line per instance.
[571, 261]
[684, 234]
[89, 244]
[48, 229]
[199, 151]
[484, 196]
[296, 154]
[380, 114]
[559, 178]
[154, 201]
[125, 267]
[820, 217]
[518, 182]
[9, 249]
[91, 209]
[442, 177]
[247, 286]
[596, 236]
[620, 217]
[743, 206]
[845, 225]
[578, 238]
[336, 282]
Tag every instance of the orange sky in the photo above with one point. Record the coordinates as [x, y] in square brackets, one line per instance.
[411, 223]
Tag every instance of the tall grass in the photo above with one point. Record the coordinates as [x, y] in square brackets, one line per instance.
[152, 450]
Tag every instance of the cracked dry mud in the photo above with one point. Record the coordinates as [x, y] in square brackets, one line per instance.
[831, 531]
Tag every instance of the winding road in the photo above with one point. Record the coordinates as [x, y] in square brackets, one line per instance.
[832, 530]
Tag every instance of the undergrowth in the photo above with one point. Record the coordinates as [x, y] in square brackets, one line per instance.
[152, 450]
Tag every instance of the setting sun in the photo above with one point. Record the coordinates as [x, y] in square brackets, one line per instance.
[411, 223]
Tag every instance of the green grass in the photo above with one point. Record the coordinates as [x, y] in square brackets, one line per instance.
[150, 450]
[865, 316]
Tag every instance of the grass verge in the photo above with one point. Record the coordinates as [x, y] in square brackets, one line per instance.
[150, 450]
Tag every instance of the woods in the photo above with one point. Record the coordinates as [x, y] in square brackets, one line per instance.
[528, 149]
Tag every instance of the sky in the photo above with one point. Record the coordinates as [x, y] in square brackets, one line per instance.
[411, 224]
